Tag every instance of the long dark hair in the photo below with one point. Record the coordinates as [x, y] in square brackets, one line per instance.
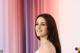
[52, 31]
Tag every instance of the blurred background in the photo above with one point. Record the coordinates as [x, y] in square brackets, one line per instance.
[17, 17]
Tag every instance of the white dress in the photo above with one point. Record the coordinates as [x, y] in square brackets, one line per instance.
[37, 51]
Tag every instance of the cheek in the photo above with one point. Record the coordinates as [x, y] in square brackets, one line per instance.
[44, 29]
[35, 28]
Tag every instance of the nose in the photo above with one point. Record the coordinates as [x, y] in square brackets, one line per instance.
[39, 26]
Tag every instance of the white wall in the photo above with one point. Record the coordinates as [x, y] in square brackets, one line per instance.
[69, 11]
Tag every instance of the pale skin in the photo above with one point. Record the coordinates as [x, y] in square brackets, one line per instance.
[41, 30]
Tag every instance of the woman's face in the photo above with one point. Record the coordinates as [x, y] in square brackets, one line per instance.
[41, 27]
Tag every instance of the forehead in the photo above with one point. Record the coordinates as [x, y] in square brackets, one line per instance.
[41, 19]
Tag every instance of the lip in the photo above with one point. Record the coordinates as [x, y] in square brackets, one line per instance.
[39, 30]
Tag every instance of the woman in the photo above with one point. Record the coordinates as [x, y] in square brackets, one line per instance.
[46, 32]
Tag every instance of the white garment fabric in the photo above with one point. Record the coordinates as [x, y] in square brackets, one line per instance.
[37, 51]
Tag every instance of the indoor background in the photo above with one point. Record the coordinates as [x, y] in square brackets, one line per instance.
[17, 17]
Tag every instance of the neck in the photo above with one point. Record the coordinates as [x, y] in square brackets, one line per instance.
[43, 40]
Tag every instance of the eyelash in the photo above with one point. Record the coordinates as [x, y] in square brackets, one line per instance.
[41, 24]
[36, 24]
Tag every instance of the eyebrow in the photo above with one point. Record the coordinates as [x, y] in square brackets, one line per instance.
[41, 22]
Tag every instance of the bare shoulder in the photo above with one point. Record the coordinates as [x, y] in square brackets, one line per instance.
[51, 48]
[48, 48]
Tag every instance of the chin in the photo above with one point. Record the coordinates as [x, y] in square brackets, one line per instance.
[39, 35]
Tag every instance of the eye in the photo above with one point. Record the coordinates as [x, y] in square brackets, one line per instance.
[36, 24]
[43, 24]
